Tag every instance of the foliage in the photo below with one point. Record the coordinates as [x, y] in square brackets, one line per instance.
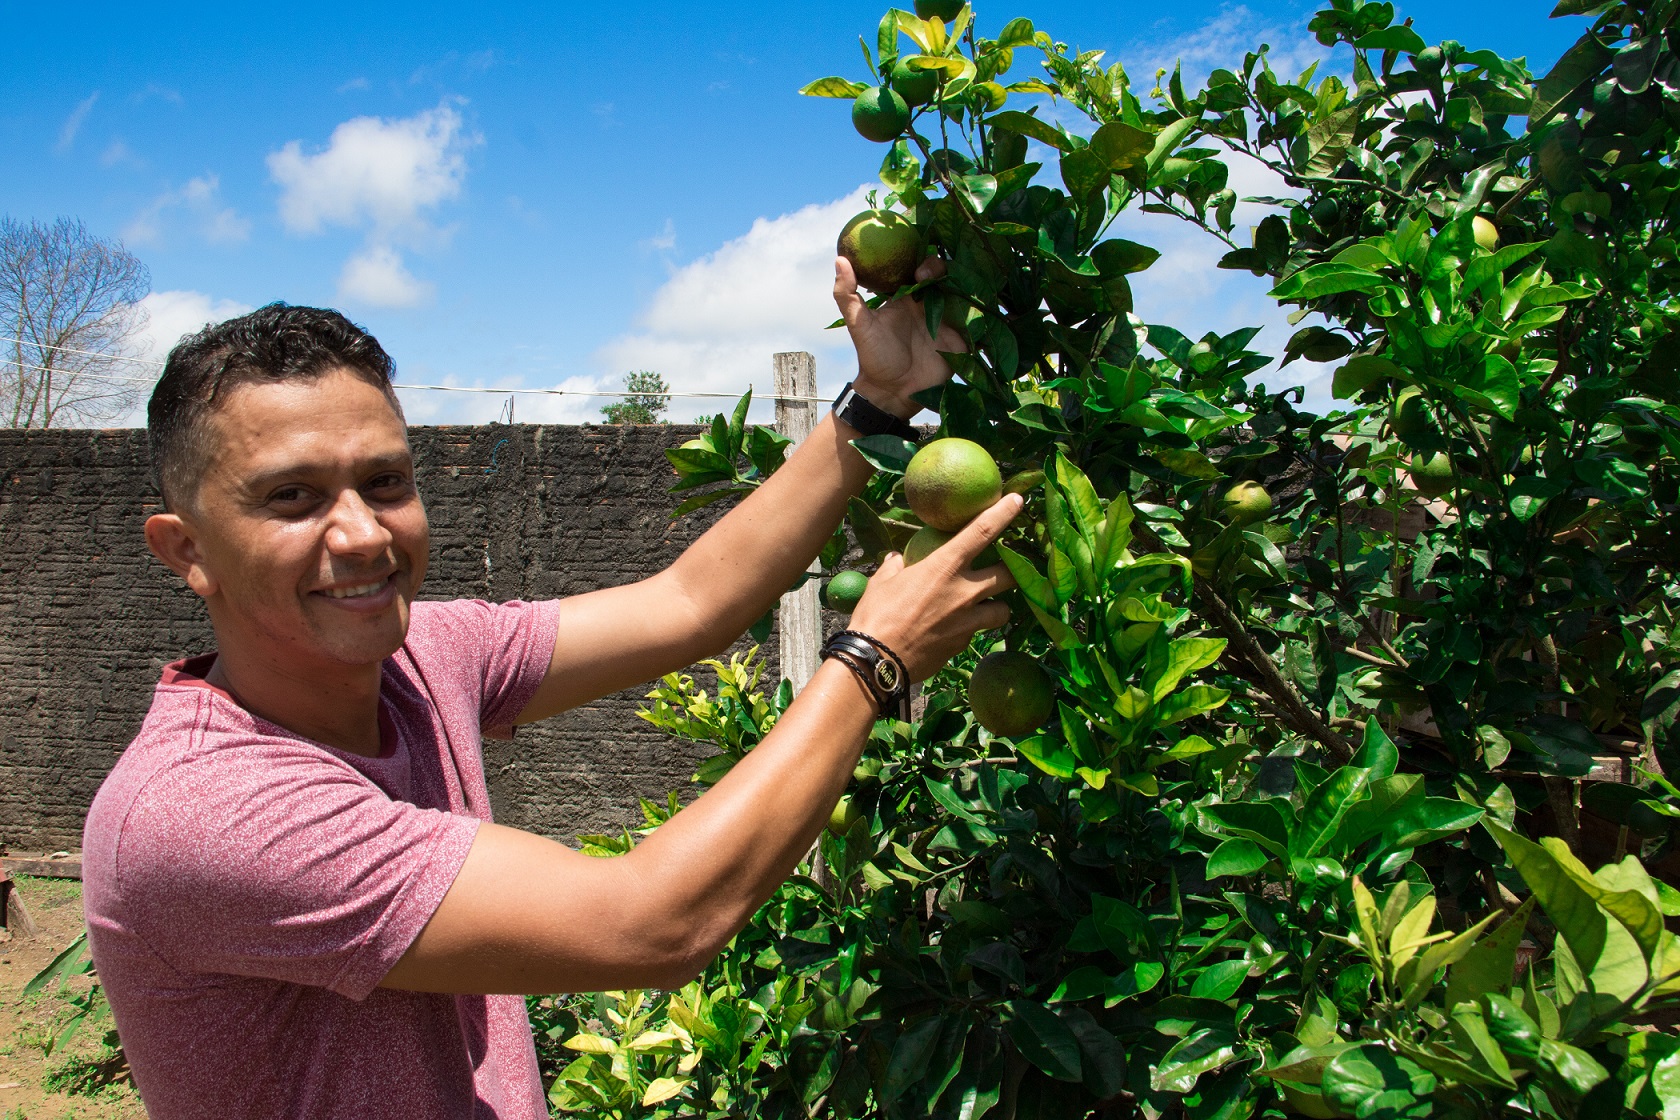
[70, 317]
[88, 1075]
[646, 401]
[1272, 855]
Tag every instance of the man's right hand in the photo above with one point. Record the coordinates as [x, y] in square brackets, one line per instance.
[927, 612]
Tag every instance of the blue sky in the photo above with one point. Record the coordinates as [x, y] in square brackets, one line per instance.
[543, 195]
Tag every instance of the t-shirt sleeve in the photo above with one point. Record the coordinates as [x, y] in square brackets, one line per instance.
[513, 642]
[282, 862]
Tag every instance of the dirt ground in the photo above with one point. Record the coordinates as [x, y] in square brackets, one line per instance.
[26, 1024]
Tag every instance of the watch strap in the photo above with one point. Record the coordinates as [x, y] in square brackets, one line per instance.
[863, 414]
[880, 669]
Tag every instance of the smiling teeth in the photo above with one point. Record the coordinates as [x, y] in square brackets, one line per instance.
[355, 592]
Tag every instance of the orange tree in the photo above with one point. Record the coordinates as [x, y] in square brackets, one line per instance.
[1271, 855]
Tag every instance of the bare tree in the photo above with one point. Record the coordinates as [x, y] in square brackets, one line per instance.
[69, 316]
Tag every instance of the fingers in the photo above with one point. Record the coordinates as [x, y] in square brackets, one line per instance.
[846, 292]
[988, 582]
[973, 538]
[931, 268]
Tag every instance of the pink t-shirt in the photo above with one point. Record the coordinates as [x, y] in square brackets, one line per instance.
[247, 889]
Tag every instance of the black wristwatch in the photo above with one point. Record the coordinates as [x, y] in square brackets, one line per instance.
[869, 418]
[880, 669]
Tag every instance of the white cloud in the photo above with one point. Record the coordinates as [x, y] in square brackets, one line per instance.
[375, 173]
[382, 176]
[168, 317]
[118, 151]
[171, 316]
[73, 123]
[1221, 42]
[200, 198]
[714, 324]
[377, 276]
[354, 85]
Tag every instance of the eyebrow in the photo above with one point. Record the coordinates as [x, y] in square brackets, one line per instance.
[259, 483]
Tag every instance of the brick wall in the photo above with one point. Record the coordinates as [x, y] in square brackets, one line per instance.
[87, 617]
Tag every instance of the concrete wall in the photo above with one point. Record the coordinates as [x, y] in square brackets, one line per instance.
[87, 617]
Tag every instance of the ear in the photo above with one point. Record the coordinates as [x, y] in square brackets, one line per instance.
[174, 541]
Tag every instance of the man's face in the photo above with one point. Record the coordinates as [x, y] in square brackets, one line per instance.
[312, 537]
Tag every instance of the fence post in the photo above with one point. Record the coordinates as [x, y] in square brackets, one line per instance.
[799, 618]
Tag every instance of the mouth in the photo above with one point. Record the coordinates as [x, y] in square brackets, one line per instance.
[360, 593]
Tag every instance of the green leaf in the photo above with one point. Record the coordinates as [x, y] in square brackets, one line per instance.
[1082, 498]
[1357, 374]
[1038, 590]
[1024, 124]
[1236, 857]
[1261, 821]
[1328, 140]
[1490, 965]
[1326, 280]
[1184, 656]
[833, 87]
[1203, 1051]
[1570, 908]
[1018, 32]
[1357, 1078]
[1196, 700]
[1629, 907]
[1325, 807]
[1049, 754]
[65, 964]
[1396, 38]
[885, 452]
[1418, 976]
[738, 425]
[1377, 753]
[689, 460]
[910, 1056]
[1121, 146]
[1043, 1039]
[1219, 981]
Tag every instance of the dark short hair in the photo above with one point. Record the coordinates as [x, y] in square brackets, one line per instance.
[272, 344]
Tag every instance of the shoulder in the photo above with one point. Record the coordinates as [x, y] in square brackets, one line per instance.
[469, 629]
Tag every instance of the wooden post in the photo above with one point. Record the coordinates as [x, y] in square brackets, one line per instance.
[799, 618]
[14, 916]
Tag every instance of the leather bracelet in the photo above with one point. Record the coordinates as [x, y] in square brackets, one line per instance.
[881, 670]
[870, 419]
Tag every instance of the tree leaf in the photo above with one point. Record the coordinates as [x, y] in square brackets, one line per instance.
[1236, 856]
[1570, 908]
[910, 1056]
[1490, 965]
[1219, 981]
[833, 87]
[1325, 807]
[885, 452]
[1184, 656]
[1043, 1039]
[1025, 124]
[1203, 1051]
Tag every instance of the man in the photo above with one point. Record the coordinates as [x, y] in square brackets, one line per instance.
[295, 899]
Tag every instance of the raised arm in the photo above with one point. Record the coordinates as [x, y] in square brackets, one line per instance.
[621, 636]
[530, 915]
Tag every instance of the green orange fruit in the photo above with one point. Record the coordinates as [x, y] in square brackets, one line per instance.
[1487, 234]
[951, 480]
[917, 87]
[1432, 474]
[845, 815]
[1409, 415]
[927, 539]
[879, 114]
[844, 590]
[1246, 503]
[1010, 694]
[884, 248]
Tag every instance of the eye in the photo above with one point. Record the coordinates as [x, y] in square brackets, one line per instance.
[389, 485]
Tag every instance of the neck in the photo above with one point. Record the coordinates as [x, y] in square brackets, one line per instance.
[333, 704]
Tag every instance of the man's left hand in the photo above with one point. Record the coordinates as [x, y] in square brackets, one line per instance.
[896, 356]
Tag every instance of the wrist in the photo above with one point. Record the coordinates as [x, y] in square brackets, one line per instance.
[887, 400]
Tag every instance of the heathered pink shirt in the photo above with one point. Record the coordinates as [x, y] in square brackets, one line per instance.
[247, 889]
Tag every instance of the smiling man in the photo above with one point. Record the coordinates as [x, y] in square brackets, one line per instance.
[296, 900]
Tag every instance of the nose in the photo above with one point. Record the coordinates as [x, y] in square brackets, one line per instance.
[354, 529]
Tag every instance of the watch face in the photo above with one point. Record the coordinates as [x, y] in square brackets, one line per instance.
[886, 675]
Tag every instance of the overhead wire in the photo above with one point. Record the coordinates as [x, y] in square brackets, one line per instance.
[395, 384]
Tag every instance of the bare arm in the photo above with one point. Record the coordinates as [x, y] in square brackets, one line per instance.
[529, 915]
[725, 581]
